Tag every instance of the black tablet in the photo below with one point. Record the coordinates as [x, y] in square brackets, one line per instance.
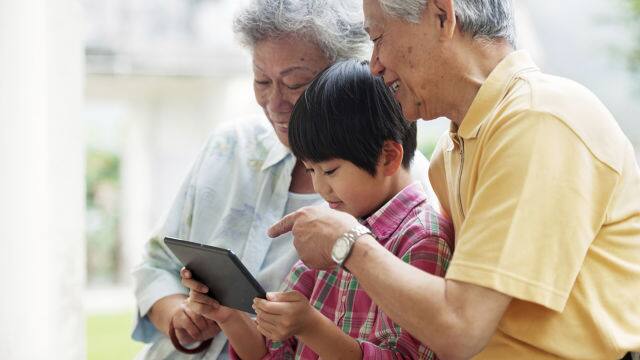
[229, 282]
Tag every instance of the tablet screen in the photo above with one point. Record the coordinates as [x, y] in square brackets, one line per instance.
[229, 281]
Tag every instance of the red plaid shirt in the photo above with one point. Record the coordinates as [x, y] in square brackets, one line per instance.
[409, 228]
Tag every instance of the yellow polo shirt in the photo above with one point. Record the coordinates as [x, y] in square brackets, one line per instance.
[544, 192]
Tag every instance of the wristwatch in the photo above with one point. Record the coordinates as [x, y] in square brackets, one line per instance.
[342, 247]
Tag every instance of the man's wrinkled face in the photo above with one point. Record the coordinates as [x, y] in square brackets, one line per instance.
[407, 55]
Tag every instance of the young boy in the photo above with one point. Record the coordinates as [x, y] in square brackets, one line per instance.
[349, 132]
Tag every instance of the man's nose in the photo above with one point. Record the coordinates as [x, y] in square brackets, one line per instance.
[376, 66]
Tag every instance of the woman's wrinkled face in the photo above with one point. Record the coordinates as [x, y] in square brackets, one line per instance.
[282, 69]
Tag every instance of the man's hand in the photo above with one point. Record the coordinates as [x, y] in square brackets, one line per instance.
[283, 315]
[315, 229]
[200, 303]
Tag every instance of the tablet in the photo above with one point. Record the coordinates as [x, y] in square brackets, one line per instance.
[229, 282]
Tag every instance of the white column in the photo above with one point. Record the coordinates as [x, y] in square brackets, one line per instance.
[41, 180]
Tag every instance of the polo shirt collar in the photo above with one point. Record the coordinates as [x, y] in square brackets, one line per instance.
[493, 91]
[388, 218]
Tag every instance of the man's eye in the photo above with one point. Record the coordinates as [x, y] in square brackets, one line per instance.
[378, 38]
[262, 82]
[308, 171]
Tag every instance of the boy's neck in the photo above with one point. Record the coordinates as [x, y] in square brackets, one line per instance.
[400, 180]
[396, 183]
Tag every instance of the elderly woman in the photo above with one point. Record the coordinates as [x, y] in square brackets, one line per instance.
[541, 184]
[245, 178]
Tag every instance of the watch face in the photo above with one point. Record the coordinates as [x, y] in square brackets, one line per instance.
[340, 249]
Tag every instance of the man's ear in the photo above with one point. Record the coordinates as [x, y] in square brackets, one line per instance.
[445, 11]
[391, 157]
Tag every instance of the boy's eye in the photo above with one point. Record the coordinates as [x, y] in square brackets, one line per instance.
[329, 172]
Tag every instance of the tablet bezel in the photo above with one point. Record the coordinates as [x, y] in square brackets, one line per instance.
[198, 251]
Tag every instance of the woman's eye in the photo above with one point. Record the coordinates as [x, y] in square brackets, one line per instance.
[296, 86]
[262, 82]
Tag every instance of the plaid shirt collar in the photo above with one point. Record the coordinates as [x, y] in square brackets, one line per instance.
[384, 222]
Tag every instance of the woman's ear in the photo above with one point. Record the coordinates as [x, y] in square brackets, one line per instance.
[391, 157]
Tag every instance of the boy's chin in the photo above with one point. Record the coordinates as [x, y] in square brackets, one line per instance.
[361, 214]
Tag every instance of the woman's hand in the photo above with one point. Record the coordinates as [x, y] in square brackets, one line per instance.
[283, 315]
[200, 303]
[191, 327]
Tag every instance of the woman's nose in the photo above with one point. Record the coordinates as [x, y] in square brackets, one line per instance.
[278, 102]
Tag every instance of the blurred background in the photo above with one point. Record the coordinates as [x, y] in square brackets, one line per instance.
[105, 105]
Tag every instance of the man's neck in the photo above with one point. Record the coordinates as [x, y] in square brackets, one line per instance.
[477, 59]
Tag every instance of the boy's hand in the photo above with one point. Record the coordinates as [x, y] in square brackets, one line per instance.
[202, 304]
[283, 315]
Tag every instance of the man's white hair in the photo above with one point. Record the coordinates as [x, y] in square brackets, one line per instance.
[484, 19]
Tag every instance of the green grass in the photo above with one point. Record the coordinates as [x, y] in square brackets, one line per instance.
[108, 337]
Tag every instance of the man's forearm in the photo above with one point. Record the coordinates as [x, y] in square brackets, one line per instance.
[328, 341]
[162, 310]
[429, 307]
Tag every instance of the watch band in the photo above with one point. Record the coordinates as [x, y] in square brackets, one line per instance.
[351, 236]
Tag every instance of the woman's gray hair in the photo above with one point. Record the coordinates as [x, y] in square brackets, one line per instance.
[336, 26]
[485, 19]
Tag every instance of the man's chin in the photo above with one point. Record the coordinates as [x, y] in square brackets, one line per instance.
[411, 116]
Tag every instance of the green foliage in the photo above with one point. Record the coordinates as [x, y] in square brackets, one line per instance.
[103, 193]
[108, 337]
[102, 167]
[426, 147]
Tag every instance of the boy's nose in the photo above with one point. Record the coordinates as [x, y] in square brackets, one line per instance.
[322, 188]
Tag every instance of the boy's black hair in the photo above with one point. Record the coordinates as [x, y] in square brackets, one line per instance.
[347, 113]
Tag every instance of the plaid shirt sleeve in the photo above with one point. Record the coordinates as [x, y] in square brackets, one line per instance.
[301, 279]
[388, 340]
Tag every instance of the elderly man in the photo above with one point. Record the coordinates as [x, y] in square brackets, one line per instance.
[541, 184]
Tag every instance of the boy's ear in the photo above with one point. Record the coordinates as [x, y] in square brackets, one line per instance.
[391, 158]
